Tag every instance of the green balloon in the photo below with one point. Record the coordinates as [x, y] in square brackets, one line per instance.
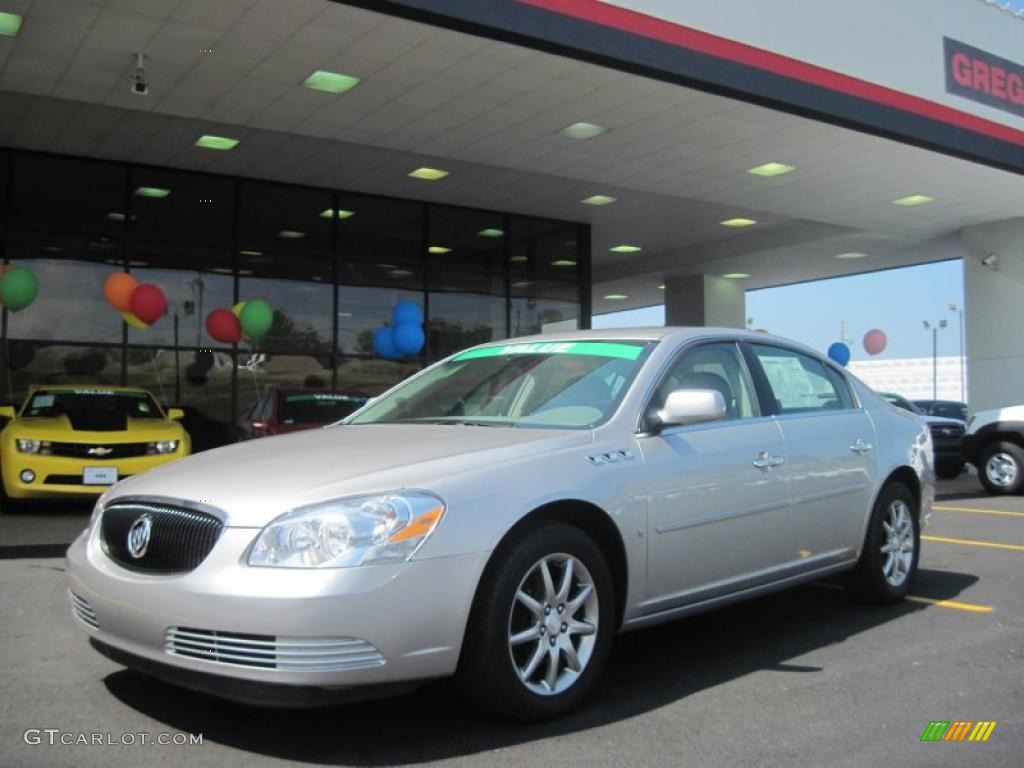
[256, 318]
[18, 288]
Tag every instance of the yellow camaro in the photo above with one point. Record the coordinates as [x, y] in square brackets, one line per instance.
[77, 441]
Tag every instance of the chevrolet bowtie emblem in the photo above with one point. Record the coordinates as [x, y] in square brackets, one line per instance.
[100, 450]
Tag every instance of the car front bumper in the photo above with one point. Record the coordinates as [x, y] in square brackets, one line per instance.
[62, 476]
[403, 622]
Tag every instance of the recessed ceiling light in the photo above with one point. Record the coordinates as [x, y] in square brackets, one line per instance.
[661, 287]
[250, 253]
[914, 200]
[222, 143]
[438, 249]
[387, 266]
[851, 255]
[331, 82]
[157, 192]
[10, 23]
[291, 234]
[246, 272]
[736, 275]
[738, 222]
[53, 249]
[599, 200]
[518, 259]
[221, 270]
[615, 296]
[401, 273]
[563, 263]
[771, 169]
[491, 232]
[118, 216]
[625, 249]
[522, 284]
[138, 263]
[428, 174]
[583, 130]
[341, 213]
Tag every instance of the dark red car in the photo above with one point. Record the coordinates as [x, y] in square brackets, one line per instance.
[291, 410]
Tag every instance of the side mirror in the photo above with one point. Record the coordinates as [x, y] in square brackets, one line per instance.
[692, 406]
[175, 414]
[7, 412]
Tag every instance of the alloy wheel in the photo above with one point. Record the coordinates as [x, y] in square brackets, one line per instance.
[898, 546]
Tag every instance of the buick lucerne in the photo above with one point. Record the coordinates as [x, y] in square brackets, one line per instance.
[500, 516]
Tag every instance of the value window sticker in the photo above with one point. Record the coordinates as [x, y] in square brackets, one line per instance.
[588, 348]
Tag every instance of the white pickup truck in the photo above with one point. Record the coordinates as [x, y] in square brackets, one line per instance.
[994, 444]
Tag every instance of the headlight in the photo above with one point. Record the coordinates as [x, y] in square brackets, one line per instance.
[164, 446]
[349, 532]
[29, 446]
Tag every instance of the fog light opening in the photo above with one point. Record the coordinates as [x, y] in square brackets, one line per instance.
[27, 476]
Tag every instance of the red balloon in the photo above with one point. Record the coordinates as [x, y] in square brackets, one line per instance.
[874, 342]
[223, 326]
[148, 303]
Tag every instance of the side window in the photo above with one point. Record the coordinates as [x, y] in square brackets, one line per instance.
[713, 366]
[801, 384]
[842, 387]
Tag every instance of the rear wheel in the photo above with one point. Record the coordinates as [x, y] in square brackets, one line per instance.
[541, 625]
[888, 562]
[1001, 468]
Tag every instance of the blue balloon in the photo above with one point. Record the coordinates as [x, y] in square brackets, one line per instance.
[409, 338]
[840, 353]
[384, 343]
[407, 313]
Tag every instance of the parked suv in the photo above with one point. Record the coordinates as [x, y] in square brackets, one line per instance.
[947, 437]
[995, 445]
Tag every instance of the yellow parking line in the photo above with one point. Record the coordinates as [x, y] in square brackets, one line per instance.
[970, 607]
[979, 511]
[973, 543]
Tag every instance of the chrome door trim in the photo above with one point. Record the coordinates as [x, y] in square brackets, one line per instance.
[720, 516]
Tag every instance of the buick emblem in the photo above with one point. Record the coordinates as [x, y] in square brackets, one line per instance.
[138, 535]
[100, 450]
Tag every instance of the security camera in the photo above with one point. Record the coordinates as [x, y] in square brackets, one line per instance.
[991, 261]
[140, 87]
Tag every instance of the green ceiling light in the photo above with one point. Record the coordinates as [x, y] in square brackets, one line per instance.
[522, 284]
[330, 82]
[223, 143]
[491, 232]
[246, 272]
[851, 255]
[563, 263]
[736, 276]
[401, 273]
[518, 259]
[914, 200]
[222, 270]
[736, 223]
[340, 213]
[291, 234]
[119, 216]
[583, 130]
[599, 200]
[10, 23]
[661, 287]
[250, 253]
[616, 296]
[428, 174]
[438, 249]
[771, 169]
[156, 192]
[626, 249]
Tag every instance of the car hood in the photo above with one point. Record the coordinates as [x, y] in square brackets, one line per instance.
[62, 427]
[257, 480]
[1008, 413]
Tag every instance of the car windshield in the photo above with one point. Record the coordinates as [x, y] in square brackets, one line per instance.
[563, 385]
[317, 407]
[88, 402]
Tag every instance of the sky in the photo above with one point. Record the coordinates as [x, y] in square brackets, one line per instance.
[896, 301]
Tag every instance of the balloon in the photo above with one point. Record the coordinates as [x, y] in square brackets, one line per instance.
[840, 353]
[407, 313]
[133, 321]
[223, 326]
[18, 288]
[256, 318]
[118, 290]
[384, 343]
[875, 341]
[148, 303]
[408, 338]
[237, 309]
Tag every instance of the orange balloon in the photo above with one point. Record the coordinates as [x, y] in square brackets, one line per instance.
[118, 291]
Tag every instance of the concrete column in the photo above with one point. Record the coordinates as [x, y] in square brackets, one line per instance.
[994, 313]
[705, 301]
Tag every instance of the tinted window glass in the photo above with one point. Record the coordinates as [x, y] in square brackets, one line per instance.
[717, 367]
[48, 403]
[799, 383]
[316, 407]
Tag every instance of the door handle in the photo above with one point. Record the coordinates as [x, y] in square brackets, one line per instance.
[765, 460]
[859, 446]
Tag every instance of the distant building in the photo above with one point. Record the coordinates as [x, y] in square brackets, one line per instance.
[912, 377]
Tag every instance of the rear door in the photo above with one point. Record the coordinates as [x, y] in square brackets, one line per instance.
[830, 445]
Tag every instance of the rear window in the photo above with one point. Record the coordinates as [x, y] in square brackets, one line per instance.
[317, 407]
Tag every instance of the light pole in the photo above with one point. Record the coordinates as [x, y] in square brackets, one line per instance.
[963, 365]
[935, 354]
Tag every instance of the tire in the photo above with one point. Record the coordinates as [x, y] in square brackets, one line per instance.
[882, 576]
[948, 470]
[1001, 468]
[494, 673]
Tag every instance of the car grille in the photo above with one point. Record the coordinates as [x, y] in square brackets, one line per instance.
[946, 431]
[270, 652]
[100, 452]
[83, 611]
[180, 539]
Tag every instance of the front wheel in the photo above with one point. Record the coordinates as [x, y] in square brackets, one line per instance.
[1001, 468]
[541, 626]
[888, 562]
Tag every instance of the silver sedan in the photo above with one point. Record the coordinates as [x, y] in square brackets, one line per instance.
[501, 516]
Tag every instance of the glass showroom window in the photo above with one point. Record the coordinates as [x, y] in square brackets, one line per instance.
[180, 207]
[33, 363]
[378, 230]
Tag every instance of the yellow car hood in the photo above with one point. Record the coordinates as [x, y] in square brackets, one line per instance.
[60, 428]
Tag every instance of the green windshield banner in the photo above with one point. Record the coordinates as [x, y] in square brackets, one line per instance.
[591, 348]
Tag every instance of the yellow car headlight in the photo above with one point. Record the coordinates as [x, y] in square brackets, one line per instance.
[29, 445]
[163, 446]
